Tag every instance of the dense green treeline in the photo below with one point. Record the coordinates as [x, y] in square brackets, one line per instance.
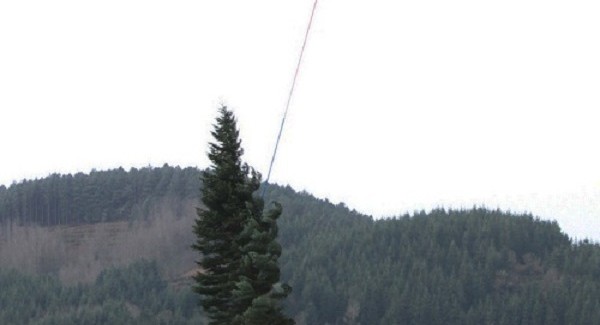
[95, 197]
[475, 266]
[444, 267]
[136, 294]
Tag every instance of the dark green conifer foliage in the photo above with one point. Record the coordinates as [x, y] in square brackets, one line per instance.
[237, 243]
[258, 288]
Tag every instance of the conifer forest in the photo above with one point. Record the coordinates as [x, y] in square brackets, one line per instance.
[132, 232]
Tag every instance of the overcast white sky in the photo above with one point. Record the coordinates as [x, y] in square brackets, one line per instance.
[401, 105]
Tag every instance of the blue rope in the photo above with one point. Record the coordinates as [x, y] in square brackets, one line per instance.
[290, 95]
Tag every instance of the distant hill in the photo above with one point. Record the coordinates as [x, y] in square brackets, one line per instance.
[475, 266]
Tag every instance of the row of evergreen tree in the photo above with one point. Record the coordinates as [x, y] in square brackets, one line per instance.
[475, 266]
[95, 197]
[136, 294]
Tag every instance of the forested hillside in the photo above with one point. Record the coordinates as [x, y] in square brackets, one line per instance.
[476, 266]
[136, 294]
[95, 197]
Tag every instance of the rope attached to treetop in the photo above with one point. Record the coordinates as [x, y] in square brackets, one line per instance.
[290, 95]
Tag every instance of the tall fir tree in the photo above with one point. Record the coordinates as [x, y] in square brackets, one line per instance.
[238, 281]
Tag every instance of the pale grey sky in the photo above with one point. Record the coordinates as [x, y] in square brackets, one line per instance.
[401, 105]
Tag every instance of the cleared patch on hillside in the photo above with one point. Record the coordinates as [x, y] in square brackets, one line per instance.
[79, 253]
